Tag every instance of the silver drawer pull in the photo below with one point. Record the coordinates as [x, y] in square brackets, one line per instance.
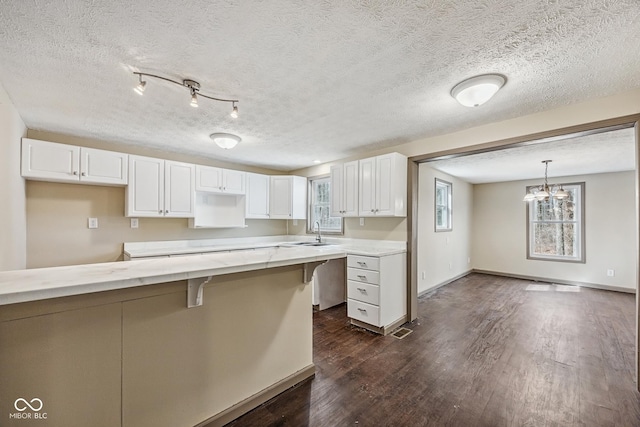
[362, 310]
[363, 290]
[362, 277]
[362, 263]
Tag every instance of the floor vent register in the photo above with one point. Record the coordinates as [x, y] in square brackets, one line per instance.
[401, 333]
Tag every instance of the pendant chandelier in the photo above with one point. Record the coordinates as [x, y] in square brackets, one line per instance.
[544, 192]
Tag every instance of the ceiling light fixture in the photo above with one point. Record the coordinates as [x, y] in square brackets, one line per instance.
[194, 90]
[225, 140]
[477, 90]
[543, 192]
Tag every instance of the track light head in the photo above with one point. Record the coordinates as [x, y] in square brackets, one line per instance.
[234, 111]
[194, 98]
[139, 89]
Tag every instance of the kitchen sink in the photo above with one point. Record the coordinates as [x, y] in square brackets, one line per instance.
[307, 244]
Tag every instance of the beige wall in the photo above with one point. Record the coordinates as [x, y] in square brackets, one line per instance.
[444, 255]
[13, 226]
[499, 231]
[58, 234]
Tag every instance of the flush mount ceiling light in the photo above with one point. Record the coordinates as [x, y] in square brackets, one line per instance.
[225, 140]
[477, 90]
[543, 192]
[193, 87]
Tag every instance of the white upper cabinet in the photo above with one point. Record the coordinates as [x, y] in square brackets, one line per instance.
[382, 185]
[218, 180]
[50, 161]
[160, 188]
[257, 201]
[288, 197]
[344, 189]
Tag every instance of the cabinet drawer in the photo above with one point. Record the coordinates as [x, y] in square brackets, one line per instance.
[364, 262]
[363, 292]
[365, 276]
[363, 312]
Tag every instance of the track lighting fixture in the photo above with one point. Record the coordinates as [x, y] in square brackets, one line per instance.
[194, 90]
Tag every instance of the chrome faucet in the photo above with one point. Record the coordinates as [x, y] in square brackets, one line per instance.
[319, 238]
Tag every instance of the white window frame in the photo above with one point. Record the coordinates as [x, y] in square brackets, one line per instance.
[447, 224]
[311, 218]
[578, 223]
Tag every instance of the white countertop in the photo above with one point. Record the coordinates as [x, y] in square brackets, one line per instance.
[53, 282]
[174, 248]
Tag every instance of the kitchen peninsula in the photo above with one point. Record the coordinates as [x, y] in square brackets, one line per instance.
[129, 344]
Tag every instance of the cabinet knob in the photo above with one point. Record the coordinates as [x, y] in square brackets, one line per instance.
[83, 174]
[372, 210]
[160, 211]
[166, 212]
[75, 172]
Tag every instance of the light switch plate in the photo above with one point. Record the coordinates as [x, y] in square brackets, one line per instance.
[134, 222]
[93, 222]
[361, 221]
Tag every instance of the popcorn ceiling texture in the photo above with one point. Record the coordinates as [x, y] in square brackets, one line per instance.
[315, 79]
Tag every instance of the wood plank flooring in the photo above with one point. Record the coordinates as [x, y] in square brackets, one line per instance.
[484, 351]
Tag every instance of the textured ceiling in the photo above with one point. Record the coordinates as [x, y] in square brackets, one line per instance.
[315, 79]
[612, 151]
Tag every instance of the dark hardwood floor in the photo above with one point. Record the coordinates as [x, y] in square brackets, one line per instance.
[484, 351]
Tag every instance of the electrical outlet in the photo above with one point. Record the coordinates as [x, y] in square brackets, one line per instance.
[295, 222]
[361, 221]
[424, 275]
[134, 222]
[450, 266]
[468, 260]
[93, 222]
[611, 273]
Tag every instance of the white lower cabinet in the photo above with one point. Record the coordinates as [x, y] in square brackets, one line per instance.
[377, 291]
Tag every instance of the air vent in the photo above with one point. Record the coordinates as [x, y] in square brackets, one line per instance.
[401, 333]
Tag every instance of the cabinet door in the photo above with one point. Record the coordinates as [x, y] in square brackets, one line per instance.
[49, 161]
[367, 187]
[337, 190]
[103, 167]
[350, 189]
[145, 192]
[233, 181]
[385, 197]
[257, 196]
[280, 197]
[208, 179]
[299, 199]
[179, 181]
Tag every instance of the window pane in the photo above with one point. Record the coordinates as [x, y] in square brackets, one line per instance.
[320, 207]
[557, 239]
